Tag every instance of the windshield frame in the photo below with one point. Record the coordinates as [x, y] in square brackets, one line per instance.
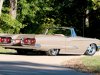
[59, 28]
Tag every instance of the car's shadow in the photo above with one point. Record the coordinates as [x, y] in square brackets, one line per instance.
[36, 54]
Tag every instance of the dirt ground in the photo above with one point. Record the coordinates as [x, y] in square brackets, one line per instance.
[13, 64]
[77, 65]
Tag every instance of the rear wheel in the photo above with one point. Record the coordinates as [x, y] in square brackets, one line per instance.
[91, 50]
[52, 52]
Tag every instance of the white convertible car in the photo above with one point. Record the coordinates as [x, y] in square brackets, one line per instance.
[63, 41]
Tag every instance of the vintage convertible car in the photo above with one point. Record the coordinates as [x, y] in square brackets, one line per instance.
[63, 41]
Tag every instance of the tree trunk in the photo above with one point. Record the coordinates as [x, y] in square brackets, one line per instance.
[13, 8]
[1, 3]
[87, 18]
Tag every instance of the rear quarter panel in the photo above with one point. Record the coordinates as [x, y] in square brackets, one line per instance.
[51, 42]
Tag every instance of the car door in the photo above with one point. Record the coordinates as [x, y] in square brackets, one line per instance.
[73, 45]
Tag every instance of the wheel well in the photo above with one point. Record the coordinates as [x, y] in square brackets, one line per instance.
[50, 50]
[59, 50]
[56, 49]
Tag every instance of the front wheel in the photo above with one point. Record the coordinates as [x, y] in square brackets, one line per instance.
[52, 52]
[91, 50]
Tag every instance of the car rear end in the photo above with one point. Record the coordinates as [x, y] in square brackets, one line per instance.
[18, 41]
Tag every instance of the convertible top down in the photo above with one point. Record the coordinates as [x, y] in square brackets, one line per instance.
[63, 40]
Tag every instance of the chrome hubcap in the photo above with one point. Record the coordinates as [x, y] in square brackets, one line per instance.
[91, 49]
[54, 51]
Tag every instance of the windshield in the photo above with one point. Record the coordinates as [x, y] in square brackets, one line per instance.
[66, 32]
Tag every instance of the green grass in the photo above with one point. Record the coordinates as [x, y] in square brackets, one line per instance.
[2, 50]
[92, 62]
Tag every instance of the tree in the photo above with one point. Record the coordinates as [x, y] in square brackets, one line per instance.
[8, 21]
[91, 5]
[37, 15]
[13, 8]
[32, 13]
[94, 19]
[96, 4]
[1, 3]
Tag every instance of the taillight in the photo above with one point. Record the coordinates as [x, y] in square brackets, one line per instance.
[8, 40]
[5, 40]
[0, 39]
[29, 41]
[25, 41]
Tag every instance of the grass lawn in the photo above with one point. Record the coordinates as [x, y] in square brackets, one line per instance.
[2, 50]
[85, 64]
[92, 63]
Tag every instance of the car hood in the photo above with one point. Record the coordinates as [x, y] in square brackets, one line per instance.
[85, 38]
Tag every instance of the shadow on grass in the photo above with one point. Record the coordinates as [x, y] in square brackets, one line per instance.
[8, 53]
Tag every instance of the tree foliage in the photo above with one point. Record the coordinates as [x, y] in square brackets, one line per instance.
[34, 16]
[9, 25]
